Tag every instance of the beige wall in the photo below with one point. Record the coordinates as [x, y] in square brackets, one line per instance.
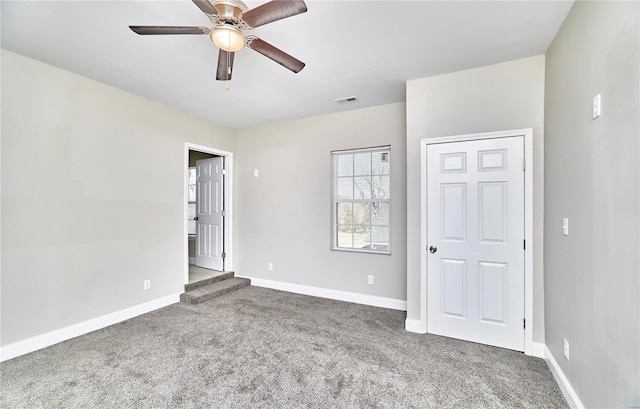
[592, 276]
[284, 215]
[92, 197]
[492, 98]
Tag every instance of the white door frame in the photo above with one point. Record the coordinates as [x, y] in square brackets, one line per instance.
[528, 222]
[228, 204]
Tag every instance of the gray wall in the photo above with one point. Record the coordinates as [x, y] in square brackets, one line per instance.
[284, 215]
[497, 97]
[92, 197]
[592, 177]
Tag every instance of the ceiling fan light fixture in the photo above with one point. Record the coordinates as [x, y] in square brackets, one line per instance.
[228, 38]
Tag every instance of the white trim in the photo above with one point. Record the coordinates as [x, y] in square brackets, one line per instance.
[357, 298]
[414, 326]
[423, 236]
[567, 390]
[528, 236]
[356, 150]
[59, 335]
[538, 350]
[354, 250]
[228, 204]
[527, 133]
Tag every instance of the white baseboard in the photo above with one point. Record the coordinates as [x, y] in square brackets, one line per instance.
[357, 298]
[567, 390]
[414, 326]
[50, 338]
[538, 350]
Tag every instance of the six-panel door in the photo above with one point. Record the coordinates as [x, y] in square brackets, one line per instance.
[209, 206]
[475, 221]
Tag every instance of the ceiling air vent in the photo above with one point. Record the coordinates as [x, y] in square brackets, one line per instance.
[345, 100]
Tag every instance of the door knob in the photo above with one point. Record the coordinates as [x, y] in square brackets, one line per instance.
[195, 218]
[433, 249]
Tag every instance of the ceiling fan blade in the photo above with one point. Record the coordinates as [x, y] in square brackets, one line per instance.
[275, 54]
[225, 65]
[161, 30]
[206, 7]
[273, 11]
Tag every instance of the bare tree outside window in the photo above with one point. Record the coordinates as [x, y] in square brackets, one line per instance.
[362, 196]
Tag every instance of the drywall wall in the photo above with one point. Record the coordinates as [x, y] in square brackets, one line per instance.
[592, 177]
[284, 214]
[493, 98]
[92, 197]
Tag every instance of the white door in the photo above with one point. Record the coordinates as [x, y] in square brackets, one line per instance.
[209, 213]
[475, 239]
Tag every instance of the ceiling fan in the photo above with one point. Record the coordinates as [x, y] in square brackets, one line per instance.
[231, 18]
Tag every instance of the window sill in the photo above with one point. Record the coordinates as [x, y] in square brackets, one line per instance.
[381, 252]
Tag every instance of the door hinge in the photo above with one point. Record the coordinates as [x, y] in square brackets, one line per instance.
[524, 323]
[524, 164]
[223, 213]
[224, 171]
[224, 255]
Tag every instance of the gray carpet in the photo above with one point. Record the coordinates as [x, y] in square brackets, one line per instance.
[264, 348]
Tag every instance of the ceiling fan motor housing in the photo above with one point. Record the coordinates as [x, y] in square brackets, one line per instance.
[229, 10]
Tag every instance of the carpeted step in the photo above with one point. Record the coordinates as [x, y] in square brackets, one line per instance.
[208, 292]
[207, 281]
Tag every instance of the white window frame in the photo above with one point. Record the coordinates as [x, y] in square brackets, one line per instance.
[335, 201]
[188, 201]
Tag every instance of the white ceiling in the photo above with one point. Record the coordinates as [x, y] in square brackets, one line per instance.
[360, 48]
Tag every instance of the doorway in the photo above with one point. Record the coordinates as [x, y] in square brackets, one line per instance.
[208, 212]
[476, 238]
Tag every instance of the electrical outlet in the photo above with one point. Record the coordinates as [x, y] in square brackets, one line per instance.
[565, 226]
[370, 280]
[147, 284]
[566, 349]
[270, 266]
[256, 173]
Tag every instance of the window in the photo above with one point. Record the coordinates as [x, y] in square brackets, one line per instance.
[362, 200]
[191, 201]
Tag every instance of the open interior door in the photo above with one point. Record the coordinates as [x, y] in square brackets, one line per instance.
[210, 213]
